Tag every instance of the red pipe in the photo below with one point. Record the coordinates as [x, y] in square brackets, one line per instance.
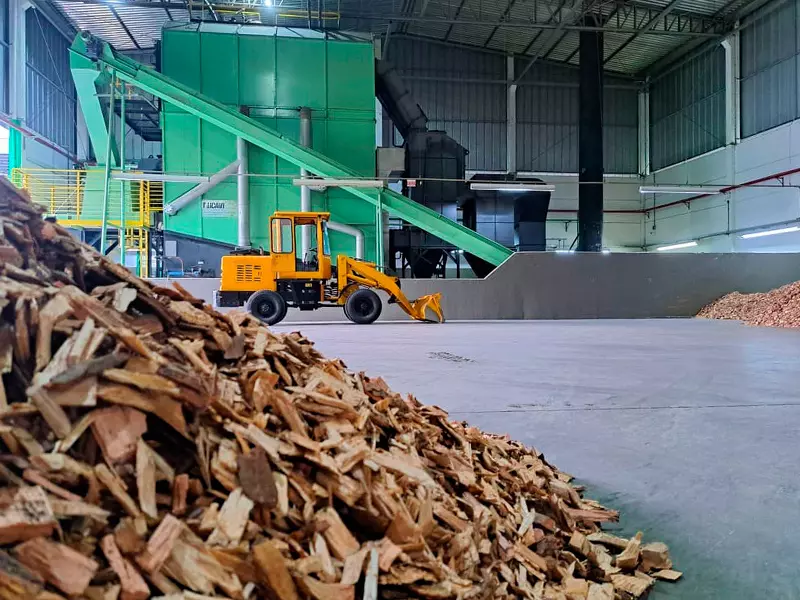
[724, 190]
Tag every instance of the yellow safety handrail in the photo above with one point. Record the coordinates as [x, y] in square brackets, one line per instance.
[75, 196]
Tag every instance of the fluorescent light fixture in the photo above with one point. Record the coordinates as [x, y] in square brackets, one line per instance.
[680, 189]
[512, 187]
[565, 251]
[758, 234]
[345, 183]
[677, 246]
[166, 177]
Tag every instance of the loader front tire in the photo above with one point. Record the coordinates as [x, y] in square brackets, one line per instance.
[363, 307]
[267, 306]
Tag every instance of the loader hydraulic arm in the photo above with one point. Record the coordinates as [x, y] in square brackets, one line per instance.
[354, 273]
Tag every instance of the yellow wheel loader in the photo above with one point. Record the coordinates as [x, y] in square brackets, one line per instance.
[268, 283]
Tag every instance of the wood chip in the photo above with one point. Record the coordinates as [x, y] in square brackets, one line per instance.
[57, 564]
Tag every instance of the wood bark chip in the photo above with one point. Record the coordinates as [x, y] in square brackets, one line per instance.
[176, 450]
[255, 476]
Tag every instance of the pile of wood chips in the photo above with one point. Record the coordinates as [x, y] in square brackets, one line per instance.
[777, 308]
[152, 447]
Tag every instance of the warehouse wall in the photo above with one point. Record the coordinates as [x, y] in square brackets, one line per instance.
[464, 93]
[770, 145]
[769, 63]
[763, 205]
[50, 93]
[687, 109]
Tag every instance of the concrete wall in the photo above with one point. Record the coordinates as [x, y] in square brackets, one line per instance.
[764, 205]
[534, 285]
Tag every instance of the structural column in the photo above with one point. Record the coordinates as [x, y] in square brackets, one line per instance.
[590, 139]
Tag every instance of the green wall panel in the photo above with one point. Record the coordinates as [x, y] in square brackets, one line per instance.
[345, 60]
[272, 76]
[257, 71]
[301, 73]
[220, 69]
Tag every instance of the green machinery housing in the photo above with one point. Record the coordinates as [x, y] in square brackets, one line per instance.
[219, 83]
[269, 77]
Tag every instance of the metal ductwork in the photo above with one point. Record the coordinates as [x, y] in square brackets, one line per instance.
[391, 90]
[350, 230]
[193, 194]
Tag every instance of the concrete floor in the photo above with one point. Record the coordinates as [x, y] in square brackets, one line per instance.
[689, 427]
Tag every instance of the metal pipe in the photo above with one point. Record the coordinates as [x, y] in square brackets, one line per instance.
[164, 177]
[173, 208]
[107, 179]
[350, 230]
[305, 191]
[242, 195]
[121, 229]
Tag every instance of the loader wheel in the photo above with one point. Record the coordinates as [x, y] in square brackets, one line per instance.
[363, 307]
[267, 306]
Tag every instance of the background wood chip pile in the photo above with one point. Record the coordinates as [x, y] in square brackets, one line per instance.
[778, 308]
[152, 447]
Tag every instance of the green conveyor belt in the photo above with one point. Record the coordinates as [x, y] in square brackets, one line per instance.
[102, 55]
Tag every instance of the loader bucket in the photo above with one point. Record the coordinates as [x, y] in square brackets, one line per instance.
[432, 302]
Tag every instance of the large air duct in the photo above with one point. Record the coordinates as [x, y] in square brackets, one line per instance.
[193, 194]
[350, 230]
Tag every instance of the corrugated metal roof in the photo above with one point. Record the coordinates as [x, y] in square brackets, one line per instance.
[480, 30]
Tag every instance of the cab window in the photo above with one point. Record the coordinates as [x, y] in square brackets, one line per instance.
[326, 244]
[282, 236]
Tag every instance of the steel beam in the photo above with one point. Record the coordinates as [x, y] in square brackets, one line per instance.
[665, 11]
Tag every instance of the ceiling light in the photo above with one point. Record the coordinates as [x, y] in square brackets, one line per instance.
[680, 189]
[758, 234]
[344, 183]
[513, 187]
[565, 251]
[677, 246]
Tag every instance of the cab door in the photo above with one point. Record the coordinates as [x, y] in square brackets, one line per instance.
[282, 247]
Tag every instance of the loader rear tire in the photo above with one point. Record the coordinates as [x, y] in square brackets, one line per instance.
[267, 306]
[363, 307]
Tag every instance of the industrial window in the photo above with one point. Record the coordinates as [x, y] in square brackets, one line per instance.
[282, 236]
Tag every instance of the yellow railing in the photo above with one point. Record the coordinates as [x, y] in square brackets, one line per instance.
[75, 198]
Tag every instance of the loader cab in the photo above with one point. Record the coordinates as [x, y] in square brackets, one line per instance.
[286, 232]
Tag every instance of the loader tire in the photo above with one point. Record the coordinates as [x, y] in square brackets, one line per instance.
[267, 306]
[363, 307]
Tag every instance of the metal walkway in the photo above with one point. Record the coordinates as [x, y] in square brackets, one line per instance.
[100, 54]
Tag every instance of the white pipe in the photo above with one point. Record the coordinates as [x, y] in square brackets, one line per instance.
[174, 207]
[305, 191]
[165, 177]
[350, 230]
[242, 196]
